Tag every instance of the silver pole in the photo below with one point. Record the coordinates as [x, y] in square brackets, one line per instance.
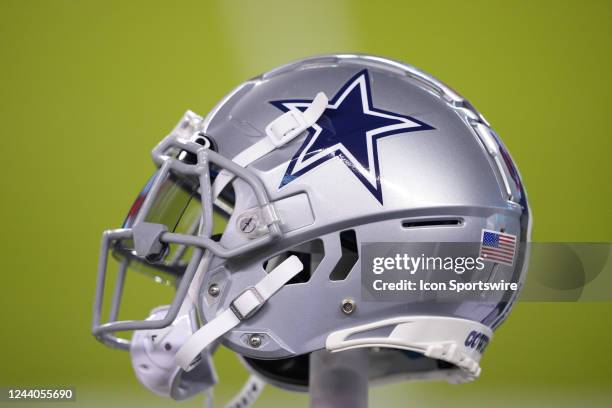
[339, 380]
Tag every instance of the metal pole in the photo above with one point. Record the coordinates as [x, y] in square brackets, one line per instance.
[339, 380]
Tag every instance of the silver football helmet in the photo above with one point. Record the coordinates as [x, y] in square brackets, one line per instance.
[257, 213]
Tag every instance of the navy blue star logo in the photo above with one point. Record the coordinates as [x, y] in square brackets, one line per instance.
[348, 129]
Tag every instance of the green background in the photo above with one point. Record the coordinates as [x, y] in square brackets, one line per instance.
[88, 88]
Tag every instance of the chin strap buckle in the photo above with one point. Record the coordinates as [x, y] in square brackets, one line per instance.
[293, 122]
[242, 307]
[279, 132]
[285, 127]
[247, 303]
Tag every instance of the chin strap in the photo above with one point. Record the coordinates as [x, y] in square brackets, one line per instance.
[242, 307]
[279, 132]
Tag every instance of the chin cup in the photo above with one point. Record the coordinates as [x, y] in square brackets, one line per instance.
[153, 351]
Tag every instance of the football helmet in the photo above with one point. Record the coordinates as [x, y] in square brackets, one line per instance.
[258, 211]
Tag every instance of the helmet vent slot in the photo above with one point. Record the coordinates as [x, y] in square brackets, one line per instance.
[447, 222]
[349, 257]
[310, 254]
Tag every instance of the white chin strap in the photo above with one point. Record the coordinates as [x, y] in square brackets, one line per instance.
[241, 308]
[279, 132]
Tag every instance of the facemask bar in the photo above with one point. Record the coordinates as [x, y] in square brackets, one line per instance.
[150, 237]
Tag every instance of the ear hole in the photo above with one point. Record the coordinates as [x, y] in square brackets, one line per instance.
[349, 257]
[310, 253]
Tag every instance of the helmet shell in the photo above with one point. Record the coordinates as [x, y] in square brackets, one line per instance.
[445, 171]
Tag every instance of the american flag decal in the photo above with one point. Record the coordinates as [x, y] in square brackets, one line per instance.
[498, 247]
